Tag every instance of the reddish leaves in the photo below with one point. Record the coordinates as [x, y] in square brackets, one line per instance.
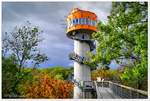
[48, 87]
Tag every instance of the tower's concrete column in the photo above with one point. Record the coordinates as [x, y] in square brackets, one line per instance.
[81, 72]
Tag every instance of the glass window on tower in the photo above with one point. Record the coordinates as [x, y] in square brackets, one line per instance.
[89, 22]
[94, 23]
[83, 22]
[79, 21]
[86, 21]
[76, 21]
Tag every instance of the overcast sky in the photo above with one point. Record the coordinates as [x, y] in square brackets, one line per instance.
[50, 17]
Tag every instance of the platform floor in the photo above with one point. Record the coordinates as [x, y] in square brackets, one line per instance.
[106, 93]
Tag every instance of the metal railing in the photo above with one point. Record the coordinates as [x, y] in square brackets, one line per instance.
[127, 92]
[76, 57]
[89, 90]
[123, 91]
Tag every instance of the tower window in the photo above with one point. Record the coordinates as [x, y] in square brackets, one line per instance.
[94, 23]
[82, 21]
[89, 22]
[76, 21]
[79, 21]
[86, 21]
[72, 23]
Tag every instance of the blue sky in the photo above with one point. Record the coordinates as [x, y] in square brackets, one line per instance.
[50, 17]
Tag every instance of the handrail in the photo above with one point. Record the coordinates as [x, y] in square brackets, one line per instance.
[130, 88]
[76, 57]
[122, 90]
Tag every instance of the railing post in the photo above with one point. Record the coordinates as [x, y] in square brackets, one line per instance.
[130, 93]
[138, 95]
[121, 91]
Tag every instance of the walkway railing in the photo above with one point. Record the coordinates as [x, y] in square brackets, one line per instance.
[89, 90]
[123, 91]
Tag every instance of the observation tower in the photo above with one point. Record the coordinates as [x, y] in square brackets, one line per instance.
[80, 26]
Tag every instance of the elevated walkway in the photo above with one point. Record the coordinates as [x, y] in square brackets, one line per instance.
[106, 93]
[110, 90]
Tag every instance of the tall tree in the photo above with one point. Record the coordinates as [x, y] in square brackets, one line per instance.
[23, 43]
[124, 37]
[125, 34]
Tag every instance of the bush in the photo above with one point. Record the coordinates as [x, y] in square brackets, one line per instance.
[47, 87]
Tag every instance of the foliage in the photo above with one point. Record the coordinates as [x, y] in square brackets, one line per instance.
[39, 58]
[9, 69]
[91, 61]
[24, 83]
[33, 79]
[125, 37]
[23, 42]
[136, 76]
[47, 87]
[28, 77]
[111, 75]
[18, 81]
[59, 76]
[58, 72]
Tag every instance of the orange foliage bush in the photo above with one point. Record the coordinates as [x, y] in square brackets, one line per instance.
[48, 87]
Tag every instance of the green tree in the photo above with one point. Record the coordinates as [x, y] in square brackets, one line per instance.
[9, 70]
[124, 37]
[29, 77]
[39, 58]
[58, 72]
[136, 76]
[23, 43]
